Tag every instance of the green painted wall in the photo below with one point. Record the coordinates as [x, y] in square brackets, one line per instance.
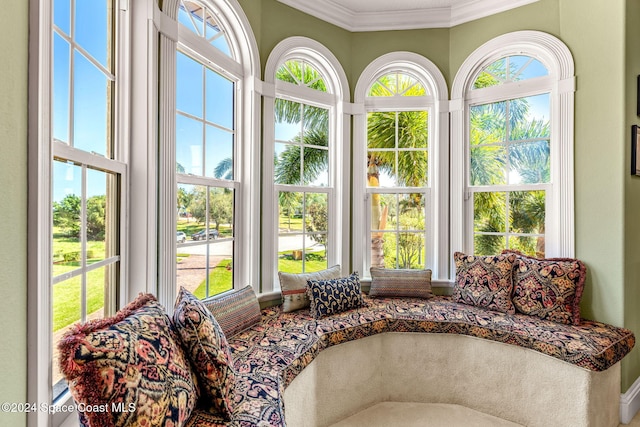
[13, 193]
[631, 367]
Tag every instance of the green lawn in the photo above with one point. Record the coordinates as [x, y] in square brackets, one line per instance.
[314, 261]
[66, 295]
[220, 280]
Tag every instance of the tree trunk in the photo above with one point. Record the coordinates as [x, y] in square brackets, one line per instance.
[378, 217]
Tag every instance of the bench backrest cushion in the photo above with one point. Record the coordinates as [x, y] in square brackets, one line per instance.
[132, 360]
[207, 347]
[549, 288]
[400, 283]
[294, 286]
[334, 296]
[485, 281]
[235, 311]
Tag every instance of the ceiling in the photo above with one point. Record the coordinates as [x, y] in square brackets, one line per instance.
[379, 15]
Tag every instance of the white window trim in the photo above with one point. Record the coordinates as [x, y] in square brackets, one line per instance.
[41, 149]
[245, 70]
[329, 66]
[438, 212]
[560, 84]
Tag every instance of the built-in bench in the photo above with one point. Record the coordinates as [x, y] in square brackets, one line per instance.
[299, 371]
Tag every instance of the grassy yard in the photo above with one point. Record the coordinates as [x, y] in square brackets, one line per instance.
[66, 295]
[314, 261]
[220, 280]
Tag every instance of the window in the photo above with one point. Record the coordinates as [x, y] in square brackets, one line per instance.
[210, 147]
[516, 142]
[304, 176]
[80, 203]
[398, 167]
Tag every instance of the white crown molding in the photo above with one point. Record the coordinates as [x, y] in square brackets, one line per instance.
[406, 19]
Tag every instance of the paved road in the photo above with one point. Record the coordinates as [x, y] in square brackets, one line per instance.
[223, 247]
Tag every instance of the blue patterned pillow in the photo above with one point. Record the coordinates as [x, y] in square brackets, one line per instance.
[334, 296]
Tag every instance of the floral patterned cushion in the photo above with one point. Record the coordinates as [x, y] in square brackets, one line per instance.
[400, 283]
[549, 288]
[485, 281]
[132, 360]
[235, 311]
[334, 296]
[207, 347]
[294, 286]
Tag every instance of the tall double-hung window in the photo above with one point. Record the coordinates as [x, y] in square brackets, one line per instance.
[515, 136]
[78, 262]
[303, 160]
[207, 153]
[398, 167]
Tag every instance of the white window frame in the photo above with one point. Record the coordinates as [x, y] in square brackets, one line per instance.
[560, 84]
[244, 70]
[327, 64]
[437, 212]
[41, 152]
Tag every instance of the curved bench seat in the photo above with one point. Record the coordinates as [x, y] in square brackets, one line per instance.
[271, 355]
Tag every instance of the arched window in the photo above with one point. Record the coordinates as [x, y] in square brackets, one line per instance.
[400, 165]
[512, 184]
[210, 149]
[304, 154]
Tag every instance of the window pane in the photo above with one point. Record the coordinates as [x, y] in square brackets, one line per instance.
[92, 117]
[288, 161]
[93, 28]
[188, 146]
[316, 124]
[411, 250]
[384, 211]
[489, 212]
[219, 149]
[62, 15]
[291, 253]
[488, 123]
[220, 268]
[381, 129]
[316, 167]
[66, 310]
[67, 206]
[488, 165]
[98, 207]
[411, 211]
[221, 212]
[290, 211]
[219, 99]
[384, 250]
[61, 92]
[413, 168]
[529, 163]
[288, 120]
[189, 86]
[413, 129]
[529, 117]
[527, 212]
[191, 269]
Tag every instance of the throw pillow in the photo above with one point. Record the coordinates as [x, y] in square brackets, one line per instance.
[131, 360]
[400, 283]
[485, 281]
[207, 347]
[235, 311]
[334, 296]
[549, 288]
[294, 287]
